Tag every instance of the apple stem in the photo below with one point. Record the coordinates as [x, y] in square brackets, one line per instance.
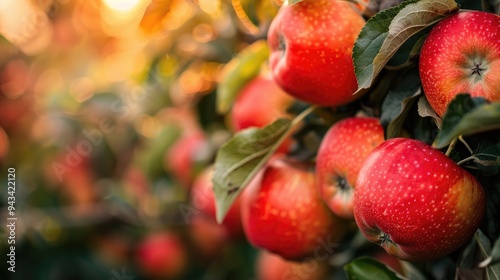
[451, 146]
[303, 114]
[466, 160]
[465, 143]
[243, 17]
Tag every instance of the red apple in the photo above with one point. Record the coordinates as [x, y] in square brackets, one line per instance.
[340, 157]
[203, 199]
[415, 202]
[112, 248]
[77, 183]
[182, 157]
[4, 144]
[162, 254]
[283, 212]
[461, 55]
[259, 103]
[390, 261]
[273, 267]
[311, 45]
[207, 236]
[16, 95]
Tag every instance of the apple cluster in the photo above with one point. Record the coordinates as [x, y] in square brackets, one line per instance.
[402, 194]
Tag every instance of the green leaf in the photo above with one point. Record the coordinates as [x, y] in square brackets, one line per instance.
[491, 185]
[411, 272]
[425, 110]
[291, 2]
[494, 257]
[398, 103]
[385, 32]
[241, 157]
[368, 268]
[407, 52]
[493, 272]
[238, 72]
[487, 157]
[468, 257]
[495, 253]
[467, 116]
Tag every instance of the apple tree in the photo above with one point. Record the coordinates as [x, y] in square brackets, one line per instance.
[428, 71]
[251, 139]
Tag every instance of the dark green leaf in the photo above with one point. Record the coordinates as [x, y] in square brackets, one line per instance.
[408, 50]
[398, 103]
[467, 259]
[368, 268]
[425, 110]
[417, 47]
[487, 157]
[493, 272]
[491, 185]
[467, 116]
[483, 242]
[241, 157]
[238, 72]
[495, 253]
[494, 257]
[384, 33]
[411, 272]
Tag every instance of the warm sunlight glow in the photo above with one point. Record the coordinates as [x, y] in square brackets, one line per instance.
[122, 5]
[211, 7]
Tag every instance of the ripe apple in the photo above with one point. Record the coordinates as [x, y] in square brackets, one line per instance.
[4, 144]
[16, 95]
[283, 213]
[390, 261]
[461, 55]
[259, 103]
[77, 183]
[311, 45]
[340, 157]
[182, 157]
[207, 236]
[203, 199]
[112, 248]
[162, 254]
[415, 202]
[273, 267]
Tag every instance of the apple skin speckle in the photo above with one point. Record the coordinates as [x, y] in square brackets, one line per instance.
[416, 214]
[311, 45]
[456, 46]
[282, 212]
[340, 157]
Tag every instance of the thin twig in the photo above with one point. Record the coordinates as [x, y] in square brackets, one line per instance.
[451, 146]
[465, 143]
